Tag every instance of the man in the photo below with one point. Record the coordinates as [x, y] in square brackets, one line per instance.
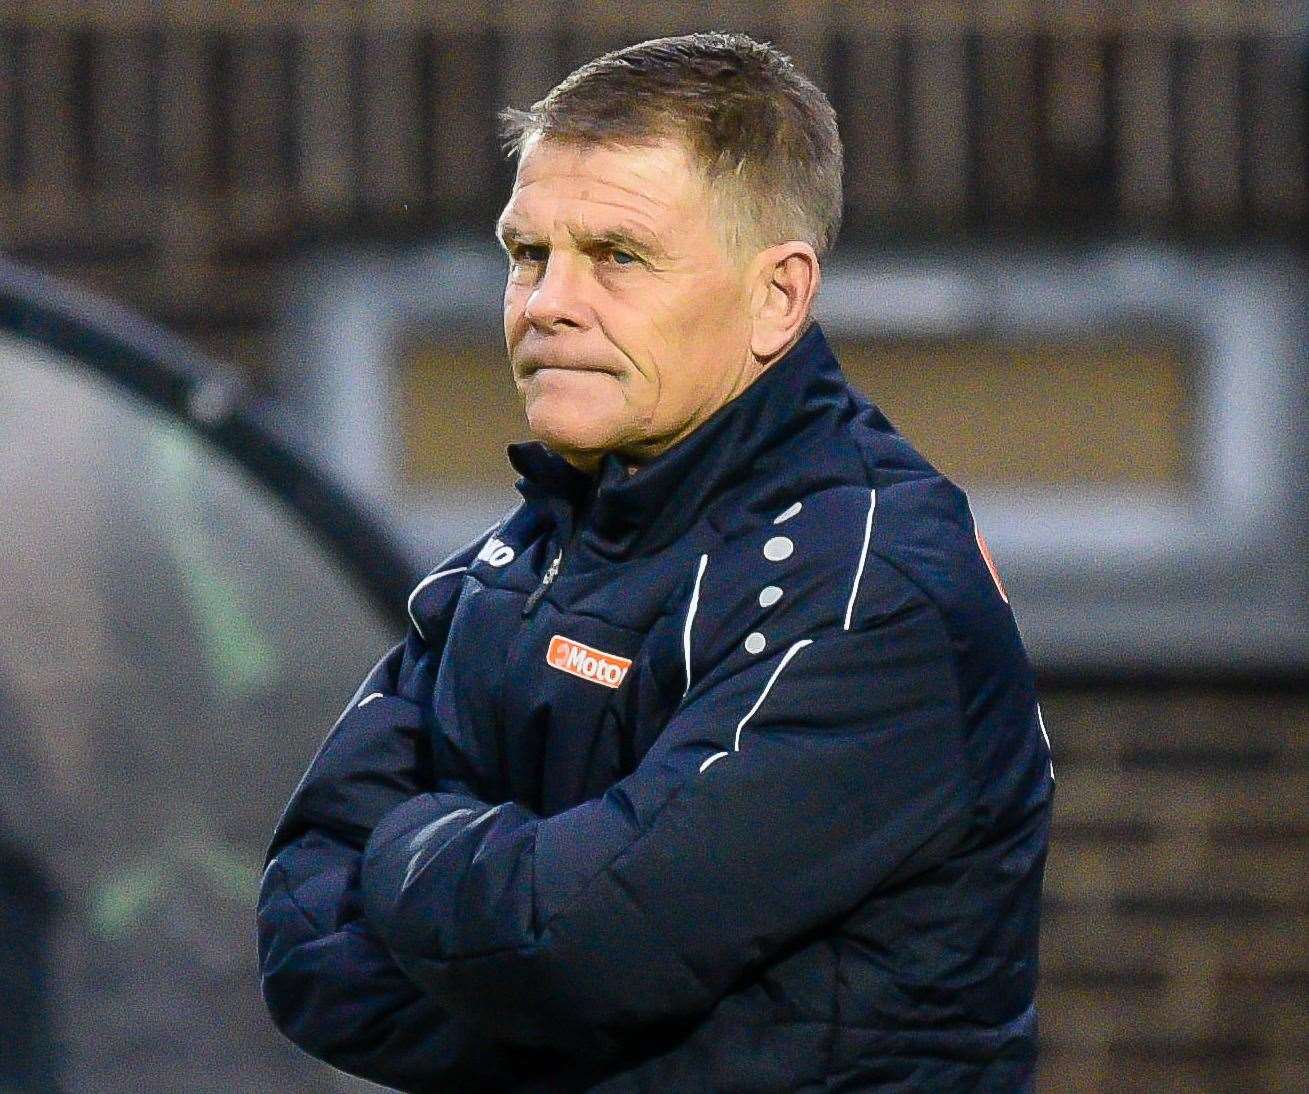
[717, 765]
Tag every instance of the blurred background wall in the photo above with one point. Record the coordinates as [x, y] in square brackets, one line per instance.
[1082, 222]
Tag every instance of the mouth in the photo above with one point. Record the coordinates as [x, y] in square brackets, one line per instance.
[529, 368]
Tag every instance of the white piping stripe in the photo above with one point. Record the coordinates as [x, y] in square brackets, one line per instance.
[690, 618]
[409, 606]
[369, 698]
[1048, 747]
[736, 744]
[715, 756]
[863, 557]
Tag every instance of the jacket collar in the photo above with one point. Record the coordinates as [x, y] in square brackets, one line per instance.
[631, 513]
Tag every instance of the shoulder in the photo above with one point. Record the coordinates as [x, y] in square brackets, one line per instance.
[845, 557]
[431, 600]
[791, 570]
[924, 528]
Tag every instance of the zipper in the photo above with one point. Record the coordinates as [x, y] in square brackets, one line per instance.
[552, 571]
[578, 518]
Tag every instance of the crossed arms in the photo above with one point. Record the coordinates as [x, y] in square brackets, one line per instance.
[418, 935]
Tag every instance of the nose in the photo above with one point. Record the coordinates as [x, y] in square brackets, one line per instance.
[557, 301]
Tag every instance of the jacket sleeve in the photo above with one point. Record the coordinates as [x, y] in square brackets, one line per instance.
[328, 982]
[787, 788]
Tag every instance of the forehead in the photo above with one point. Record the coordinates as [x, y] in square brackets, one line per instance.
[656, 186]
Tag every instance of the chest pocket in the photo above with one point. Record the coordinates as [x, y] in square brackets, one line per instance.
[568, 680]
[552, 709]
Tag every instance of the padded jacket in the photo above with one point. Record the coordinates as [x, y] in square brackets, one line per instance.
[725, 775]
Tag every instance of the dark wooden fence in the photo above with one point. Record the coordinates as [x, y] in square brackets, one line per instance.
[167, 148]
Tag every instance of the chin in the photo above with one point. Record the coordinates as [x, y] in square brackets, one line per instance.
[572, 436]
[580, 414]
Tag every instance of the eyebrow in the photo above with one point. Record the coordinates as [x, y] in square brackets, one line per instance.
[621, 238]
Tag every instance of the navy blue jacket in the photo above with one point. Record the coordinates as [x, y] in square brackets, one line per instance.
[727, 775]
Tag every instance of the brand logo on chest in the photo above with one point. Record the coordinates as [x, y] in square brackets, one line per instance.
[496, 553]
[588, 663]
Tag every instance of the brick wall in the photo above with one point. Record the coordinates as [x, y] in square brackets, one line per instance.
[1175, 944]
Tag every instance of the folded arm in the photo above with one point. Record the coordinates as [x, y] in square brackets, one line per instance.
[329, 983]
[786, 789]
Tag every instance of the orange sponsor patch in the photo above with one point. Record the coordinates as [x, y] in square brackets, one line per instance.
[590, 664]
[990, 562]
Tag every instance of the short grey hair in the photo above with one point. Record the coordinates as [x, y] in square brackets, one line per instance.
[764, 136]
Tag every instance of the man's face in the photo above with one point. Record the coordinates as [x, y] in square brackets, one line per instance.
[627, 324]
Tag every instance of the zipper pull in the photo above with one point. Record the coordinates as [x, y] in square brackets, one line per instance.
[539, 591]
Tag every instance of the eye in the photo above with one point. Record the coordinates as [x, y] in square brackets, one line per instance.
[531, 252]
[624, 258]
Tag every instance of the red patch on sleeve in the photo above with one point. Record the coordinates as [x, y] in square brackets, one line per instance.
[990, 562]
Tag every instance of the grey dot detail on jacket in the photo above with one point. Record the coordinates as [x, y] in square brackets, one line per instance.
[788, 512]
[778, 549]
[769, 595]
[755, 642]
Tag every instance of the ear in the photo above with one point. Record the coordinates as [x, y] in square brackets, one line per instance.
[785, 285]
